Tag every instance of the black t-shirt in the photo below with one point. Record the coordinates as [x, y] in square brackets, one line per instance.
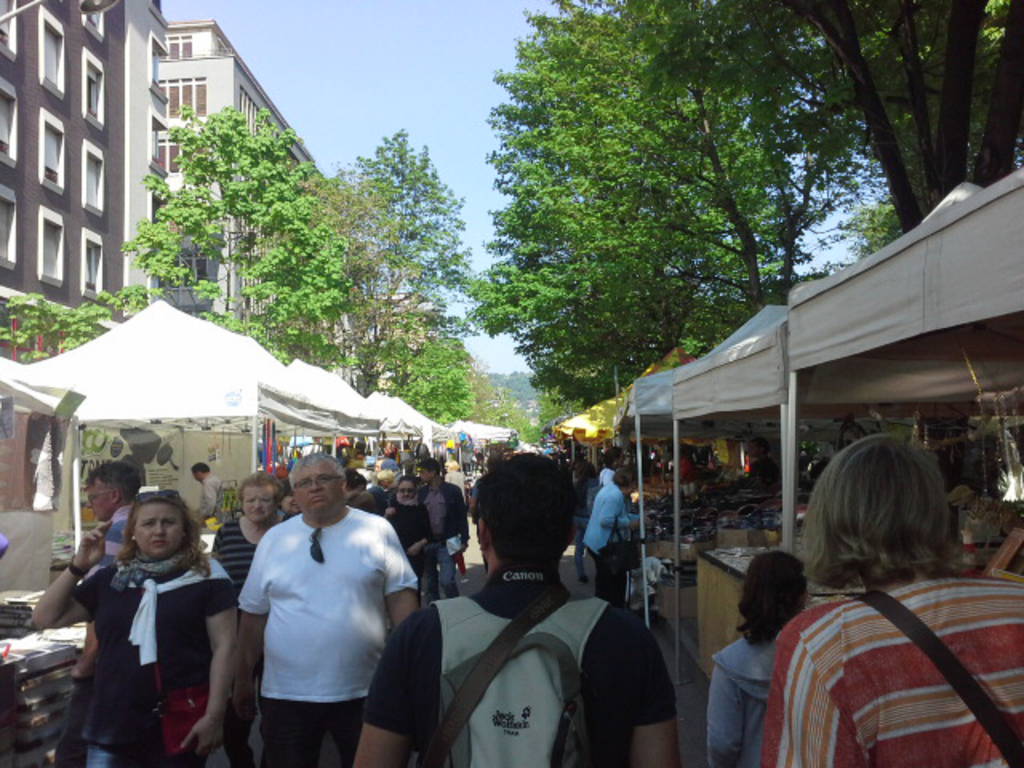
[765, 471]
[412, 523]
[125, 692]
[625, 683]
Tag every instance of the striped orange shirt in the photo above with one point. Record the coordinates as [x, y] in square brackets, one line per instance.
[849, 689]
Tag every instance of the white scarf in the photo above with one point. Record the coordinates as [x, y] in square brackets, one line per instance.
[143, 633]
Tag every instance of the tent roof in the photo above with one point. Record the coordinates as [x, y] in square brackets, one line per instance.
[483, 431]
[37, 397]
[594, 424]
[319, 388]
[932, 317]
[399, 418]
[162, 365]
[744, 373]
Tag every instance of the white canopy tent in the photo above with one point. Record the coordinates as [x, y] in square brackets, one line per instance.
[399, 419]
[321, 389]
[29, 397]
[486, 432]
[928, 323]
[163, 367]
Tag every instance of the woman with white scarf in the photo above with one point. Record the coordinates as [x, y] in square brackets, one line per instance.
[165, 617]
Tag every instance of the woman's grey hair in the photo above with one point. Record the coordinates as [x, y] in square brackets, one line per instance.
[312, 460]
[878, 514]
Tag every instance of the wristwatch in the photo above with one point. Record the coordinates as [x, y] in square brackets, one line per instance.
[77, 572]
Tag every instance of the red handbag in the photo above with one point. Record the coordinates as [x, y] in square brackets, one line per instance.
[179, 711]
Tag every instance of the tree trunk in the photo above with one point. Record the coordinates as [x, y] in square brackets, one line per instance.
[957, 83]
[843, 40]
[995, 157]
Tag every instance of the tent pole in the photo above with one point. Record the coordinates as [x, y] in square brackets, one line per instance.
[643, 529]
[790, 471]
[254, 460]
[76, 482]
[676, 503]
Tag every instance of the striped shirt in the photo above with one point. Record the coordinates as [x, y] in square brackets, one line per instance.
[234, 552]
[849, 689]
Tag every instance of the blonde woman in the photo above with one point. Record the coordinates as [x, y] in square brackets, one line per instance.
[849, 688]
[165, 618]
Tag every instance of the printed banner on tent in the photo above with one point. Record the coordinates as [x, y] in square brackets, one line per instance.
[158, 454]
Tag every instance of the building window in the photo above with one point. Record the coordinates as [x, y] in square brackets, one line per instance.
[157, 52]
[92, 87]
[94, 23]
[158, 133]
[51, 148]
[8, 123]
[8, 249]
[179, 46]
[92, 262]
[51, 246]
[51, 43]
[92, 176]
[8, 30]
[186, 92]
[169, 152]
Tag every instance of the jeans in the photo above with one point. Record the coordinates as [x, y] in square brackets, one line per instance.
[148, 752]
[294, 730]
[607, 585]
[72, 748]
[435, 556]
[581, 528]
[236, 739]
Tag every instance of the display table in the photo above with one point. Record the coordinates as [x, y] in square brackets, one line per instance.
[720, 575]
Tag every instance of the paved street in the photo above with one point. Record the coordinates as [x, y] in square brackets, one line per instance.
[691, 694]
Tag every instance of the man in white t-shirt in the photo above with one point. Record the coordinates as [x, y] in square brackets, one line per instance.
[317, 601]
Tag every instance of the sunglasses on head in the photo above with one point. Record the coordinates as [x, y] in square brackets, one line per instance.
[168, 493]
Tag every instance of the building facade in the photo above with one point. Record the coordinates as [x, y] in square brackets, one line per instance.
[74, 145]
[204, 71]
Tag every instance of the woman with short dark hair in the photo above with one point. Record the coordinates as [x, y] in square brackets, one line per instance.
[774, 592]
[850, 688]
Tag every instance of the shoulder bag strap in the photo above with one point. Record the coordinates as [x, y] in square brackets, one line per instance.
[967, 688]
[487, 666]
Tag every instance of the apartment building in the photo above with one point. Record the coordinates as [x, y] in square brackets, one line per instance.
[81, 111]
[203, 70]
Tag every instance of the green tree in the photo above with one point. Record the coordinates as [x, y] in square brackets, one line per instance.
[405, 259]
[439, 382]
[643, 213]
[870, 228]
[934, 90]
[246, 204]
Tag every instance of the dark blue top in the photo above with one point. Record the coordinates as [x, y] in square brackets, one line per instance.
[625, 682]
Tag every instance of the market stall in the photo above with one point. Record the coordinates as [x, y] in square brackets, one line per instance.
[170, 390]
[931, 325]
[34, 424]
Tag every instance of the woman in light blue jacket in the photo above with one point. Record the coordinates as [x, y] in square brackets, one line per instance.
[610, 513]
[774, 591]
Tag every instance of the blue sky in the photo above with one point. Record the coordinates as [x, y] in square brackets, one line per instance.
[347, 73]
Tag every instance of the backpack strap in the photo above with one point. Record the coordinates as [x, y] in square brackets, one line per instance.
[960, 680]
[488, 664]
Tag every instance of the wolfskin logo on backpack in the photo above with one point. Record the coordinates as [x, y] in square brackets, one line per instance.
[507, 721]
[532, 711]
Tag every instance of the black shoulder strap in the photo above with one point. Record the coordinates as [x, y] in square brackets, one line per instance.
[487, 666]
[967, 688]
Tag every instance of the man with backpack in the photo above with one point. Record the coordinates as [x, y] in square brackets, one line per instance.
[562, 683]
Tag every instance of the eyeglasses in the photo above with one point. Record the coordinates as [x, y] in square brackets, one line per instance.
[321, 480]
[167, 493]
[315, 550]
[406, 491]
[93, 496]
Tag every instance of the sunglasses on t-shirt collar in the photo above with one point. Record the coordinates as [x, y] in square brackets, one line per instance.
[315, 550]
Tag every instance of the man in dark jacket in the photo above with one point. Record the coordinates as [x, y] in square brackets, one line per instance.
[446, 507]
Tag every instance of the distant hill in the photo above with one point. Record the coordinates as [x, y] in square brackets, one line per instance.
[519, 385]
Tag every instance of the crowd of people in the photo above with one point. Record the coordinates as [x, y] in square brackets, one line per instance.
[309, 613]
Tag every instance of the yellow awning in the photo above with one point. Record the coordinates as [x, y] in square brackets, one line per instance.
[595, 424]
